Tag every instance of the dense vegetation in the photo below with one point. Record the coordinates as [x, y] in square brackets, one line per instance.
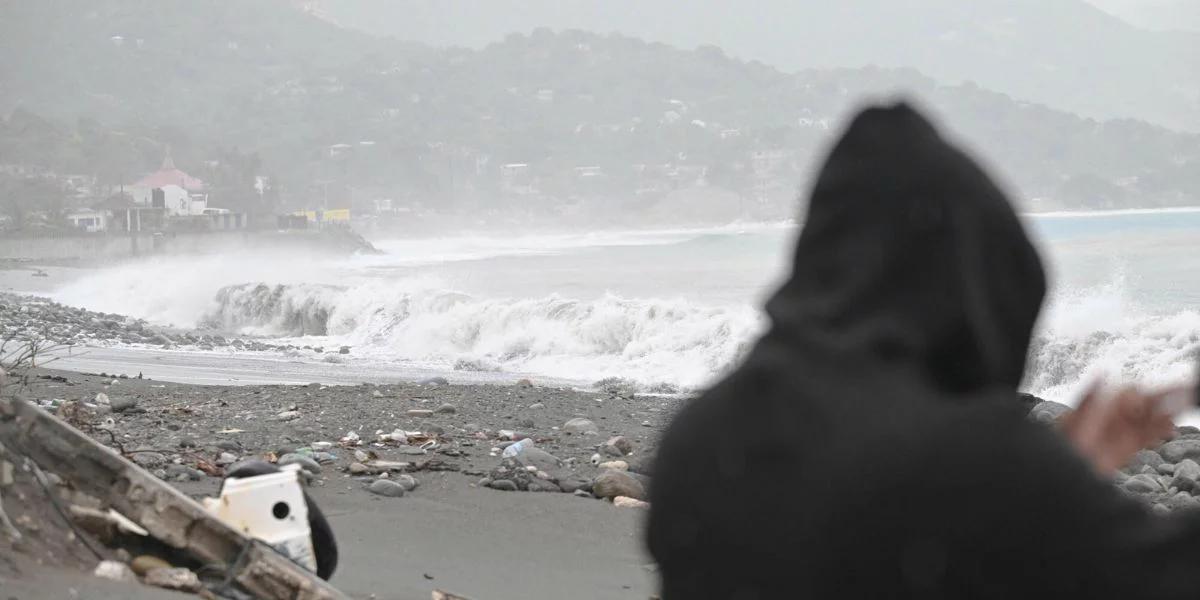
[605, 122]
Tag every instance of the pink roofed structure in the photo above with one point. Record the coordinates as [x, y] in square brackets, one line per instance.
[169, 175]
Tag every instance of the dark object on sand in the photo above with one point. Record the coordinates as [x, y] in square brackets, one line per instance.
[324, 544]
[881, 454]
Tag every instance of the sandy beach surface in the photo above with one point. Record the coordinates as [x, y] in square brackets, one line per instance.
[450, 532]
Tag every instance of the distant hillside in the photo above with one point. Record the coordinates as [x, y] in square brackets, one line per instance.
[599, 122]
[1063, 53]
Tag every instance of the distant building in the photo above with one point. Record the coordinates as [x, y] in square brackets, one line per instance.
[89, 219]
[129, 216]
[141, 191]
[178, 202]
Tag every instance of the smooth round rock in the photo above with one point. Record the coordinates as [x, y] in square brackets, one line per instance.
[580, 426]
[1048, 411]
[1143, 458]
[145, 563]
[611, 484]
[505, 485]
[1142, 484]
[1177, 450]
[306, 464]
[386, 487]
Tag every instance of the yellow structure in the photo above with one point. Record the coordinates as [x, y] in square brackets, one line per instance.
[329, 215]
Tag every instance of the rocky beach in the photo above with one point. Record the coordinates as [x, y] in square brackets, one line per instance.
[462, 463]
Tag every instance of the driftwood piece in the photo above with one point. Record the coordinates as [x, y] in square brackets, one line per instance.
[163, 511]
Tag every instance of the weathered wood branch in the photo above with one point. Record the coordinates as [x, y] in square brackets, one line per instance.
[166, 513]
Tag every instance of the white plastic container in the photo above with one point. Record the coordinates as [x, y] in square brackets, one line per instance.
[270, 508]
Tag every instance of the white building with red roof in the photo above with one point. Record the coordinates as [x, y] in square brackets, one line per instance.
[142, 190]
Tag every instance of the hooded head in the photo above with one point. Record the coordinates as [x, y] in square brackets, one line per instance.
[911, 253]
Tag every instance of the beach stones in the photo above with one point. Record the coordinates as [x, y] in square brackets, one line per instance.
[184, 473]
[386, 487]
[580, 426]
[446, 409]
[506, 485]
[1142, 484]
[122, 403]
[307, 464]
[1144, 458]
[149, 460]
[610, 484]
[1186, 475]
[1182, 501]
[1177, 450]
[408, 482]
[538, 458]
[617, 446]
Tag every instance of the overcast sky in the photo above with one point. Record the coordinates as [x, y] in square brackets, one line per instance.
[1155, 14]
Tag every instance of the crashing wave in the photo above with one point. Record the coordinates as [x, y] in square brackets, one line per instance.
[284, 310]
[658, 344]
[1149, 350]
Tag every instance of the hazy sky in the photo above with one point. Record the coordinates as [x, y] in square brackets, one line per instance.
[1155, 14]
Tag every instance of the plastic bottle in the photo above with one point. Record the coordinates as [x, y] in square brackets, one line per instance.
[517, 447]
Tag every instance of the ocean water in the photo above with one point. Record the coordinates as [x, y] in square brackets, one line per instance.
[666, 310]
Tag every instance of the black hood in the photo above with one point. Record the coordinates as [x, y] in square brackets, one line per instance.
[911, 253]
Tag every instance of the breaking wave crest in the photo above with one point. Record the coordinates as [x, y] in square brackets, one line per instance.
[1085, 335]
[650, 342]
[1099, 333]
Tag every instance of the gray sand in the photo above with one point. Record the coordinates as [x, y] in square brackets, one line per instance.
[448, 533]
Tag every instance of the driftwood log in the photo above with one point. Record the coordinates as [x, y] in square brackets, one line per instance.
[160, 509]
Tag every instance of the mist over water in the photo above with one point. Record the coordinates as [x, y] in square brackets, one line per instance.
[666, 309]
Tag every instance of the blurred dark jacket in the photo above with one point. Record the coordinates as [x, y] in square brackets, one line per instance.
[871, 446]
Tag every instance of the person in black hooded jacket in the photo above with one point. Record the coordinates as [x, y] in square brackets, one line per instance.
[870, 445]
